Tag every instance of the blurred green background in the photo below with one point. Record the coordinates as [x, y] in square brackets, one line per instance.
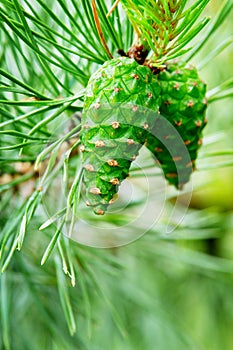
[160, 292]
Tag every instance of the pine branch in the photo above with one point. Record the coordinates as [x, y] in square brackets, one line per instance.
[49, 51]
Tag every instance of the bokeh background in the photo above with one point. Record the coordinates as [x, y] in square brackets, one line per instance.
[162, 291]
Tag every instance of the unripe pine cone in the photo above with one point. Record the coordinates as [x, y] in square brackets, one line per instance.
[112, 136]
[183, 104]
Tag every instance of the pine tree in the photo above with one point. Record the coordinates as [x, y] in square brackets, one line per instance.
[136, 295]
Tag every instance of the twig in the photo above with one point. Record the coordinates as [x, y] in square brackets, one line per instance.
[98, 27]
[113, 8]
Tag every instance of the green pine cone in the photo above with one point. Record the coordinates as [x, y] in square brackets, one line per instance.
[183, 104]
[114, 126]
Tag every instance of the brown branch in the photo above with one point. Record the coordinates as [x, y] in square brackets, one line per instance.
[98, 27]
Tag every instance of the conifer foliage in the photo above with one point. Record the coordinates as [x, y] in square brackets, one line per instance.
[85, 86]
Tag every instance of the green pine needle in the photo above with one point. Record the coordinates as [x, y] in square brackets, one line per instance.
[127, 297]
